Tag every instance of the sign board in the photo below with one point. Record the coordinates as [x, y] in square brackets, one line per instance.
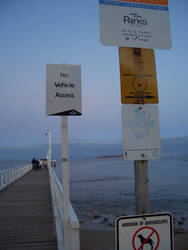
[150, 231]
[140, 130]
[138, 76]
[63, 89]
[135, 23]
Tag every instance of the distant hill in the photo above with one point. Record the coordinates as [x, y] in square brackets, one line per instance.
[169, 147]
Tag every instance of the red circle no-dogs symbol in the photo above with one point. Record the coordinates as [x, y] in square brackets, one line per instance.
[145, 236]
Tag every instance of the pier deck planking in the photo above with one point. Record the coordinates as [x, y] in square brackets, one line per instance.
[26, 216]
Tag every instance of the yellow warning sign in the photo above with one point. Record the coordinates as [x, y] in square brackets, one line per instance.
[138, 76]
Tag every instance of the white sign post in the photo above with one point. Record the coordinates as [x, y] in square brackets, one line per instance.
[148, 231]
[63, 98]
[63, 89]
[65, 182]
[135, 23]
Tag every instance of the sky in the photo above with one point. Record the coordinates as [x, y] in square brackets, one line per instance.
[39, 32]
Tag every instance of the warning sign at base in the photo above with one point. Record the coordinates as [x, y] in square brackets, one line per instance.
[144, 232]
[151, 238]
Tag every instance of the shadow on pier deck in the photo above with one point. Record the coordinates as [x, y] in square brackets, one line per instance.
[26, 216]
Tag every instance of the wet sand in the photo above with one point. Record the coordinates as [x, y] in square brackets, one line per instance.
[105, 240]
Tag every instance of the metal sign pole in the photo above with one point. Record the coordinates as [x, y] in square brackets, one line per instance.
[65, 183]
[141, 187]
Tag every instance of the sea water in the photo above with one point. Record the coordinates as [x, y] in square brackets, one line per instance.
[5, 164]
[103, 188]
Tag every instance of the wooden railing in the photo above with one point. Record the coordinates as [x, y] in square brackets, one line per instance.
[57, 201]
[10, 175]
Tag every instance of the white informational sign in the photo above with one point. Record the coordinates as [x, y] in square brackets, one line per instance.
[63, 89]
[150, 231]
[135, 23]
[140, 130]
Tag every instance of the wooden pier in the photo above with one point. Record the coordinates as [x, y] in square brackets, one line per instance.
[26, 216]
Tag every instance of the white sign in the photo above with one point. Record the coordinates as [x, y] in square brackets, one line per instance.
[135, 23]
[140, 130]
[63, 89]
[150, 231]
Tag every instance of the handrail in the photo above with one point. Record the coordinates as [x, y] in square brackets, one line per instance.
[10, 175]
[57, 194]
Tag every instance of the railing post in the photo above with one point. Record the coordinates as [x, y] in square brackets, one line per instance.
[3, 178]
[11, 175]
[0, 179]
[6, 181]
[14, 174]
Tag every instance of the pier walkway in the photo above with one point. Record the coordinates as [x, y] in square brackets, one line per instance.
[26, 214]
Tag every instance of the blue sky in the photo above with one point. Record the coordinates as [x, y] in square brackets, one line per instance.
[39, 32]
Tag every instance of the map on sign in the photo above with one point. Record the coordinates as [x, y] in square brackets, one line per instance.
[138, 76]
[141, 123]
[140, 130]
[135, 23]
[148, 231]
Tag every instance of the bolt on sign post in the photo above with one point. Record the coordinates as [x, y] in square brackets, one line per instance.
[149, 231]
[138, 76]
[135, 23]
[63, 98]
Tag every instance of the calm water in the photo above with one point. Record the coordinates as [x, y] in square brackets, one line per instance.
[4, 164]
[106, 187]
